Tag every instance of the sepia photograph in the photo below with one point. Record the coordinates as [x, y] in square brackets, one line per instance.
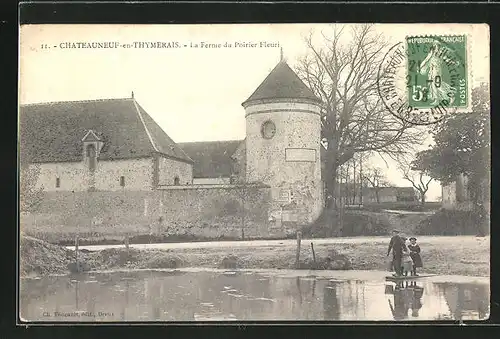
[254, 172]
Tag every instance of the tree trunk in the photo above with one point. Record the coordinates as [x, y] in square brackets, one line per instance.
[330, 206]
[422, 198]
[243, 219]
[331, 188]
[361, 180]
[354, 190]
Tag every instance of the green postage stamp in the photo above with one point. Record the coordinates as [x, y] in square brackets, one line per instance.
[437, 72]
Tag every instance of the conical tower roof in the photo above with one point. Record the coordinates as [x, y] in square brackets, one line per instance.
[282, 83]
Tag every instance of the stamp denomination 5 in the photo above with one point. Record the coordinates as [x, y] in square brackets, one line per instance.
[425, 78]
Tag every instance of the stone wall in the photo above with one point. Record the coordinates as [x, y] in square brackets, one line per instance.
[448, 193]
[456, 195]
[215, 210]
[211, 181]
[206, 211]
[74, 176]
[170, 169]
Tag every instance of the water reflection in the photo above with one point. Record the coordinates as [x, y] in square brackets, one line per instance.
[466, 301]
[177, 296]
[406, 298]
[331, 309]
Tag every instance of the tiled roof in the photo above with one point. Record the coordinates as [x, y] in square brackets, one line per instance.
[282, 83]
[212, 159]
[163, 143]
[53, 132]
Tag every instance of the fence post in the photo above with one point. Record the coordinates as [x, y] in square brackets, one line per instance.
[76, 253]
[314, 254]
[127, 243]
[297, 258]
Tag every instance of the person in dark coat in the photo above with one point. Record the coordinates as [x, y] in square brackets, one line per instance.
[401, 304]
[415, 255]
[416, 304]
[397, 246]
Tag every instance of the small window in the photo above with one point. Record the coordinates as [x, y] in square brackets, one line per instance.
[58, 182]
[122, 181]
[176, 181]
[91, 154]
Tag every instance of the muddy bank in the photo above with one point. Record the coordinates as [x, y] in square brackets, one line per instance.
[38, 257]
[469, 258]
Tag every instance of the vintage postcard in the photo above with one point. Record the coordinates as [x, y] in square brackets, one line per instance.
[259, 172]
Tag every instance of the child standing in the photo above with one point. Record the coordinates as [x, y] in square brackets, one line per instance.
[407, 263]
[415, 255]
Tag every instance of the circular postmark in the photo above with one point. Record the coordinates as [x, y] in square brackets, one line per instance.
[424, 79]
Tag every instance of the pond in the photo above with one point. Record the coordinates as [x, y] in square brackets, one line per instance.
[215, 296]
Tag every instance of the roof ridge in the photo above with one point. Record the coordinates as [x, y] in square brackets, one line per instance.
[90, 132]
[180, 148]
[282, 82]
[145, 127]
[75, 101]
[207, 141]
[139, 108]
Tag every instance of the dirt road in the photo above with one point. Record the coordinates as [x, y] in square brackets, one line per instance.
[286, 243]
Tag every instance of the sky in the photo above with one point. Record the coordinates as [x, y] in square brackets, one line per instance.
[194, 94]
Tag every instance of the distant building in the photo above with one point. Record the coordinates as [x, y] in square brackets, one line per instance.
[457, 194]
[351, 193]
[454, 193]
[105, 145]
[113, 145]
[389, 194]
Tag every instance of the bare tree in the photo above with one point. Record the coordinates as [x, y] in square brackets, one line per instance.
[344, 76]
[416, 176]
[246, 192]
[377, 180]
[351, 175]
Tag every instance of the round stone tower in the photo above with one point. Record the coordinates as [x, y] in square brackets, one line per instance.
[283, 145]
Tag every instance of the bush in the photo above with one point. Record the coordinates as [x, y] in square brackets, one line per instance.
[113, 257]
[334, 261]
[79, 267]
[355, 224]
[338, 261]
[451, 222]
[229, 262]
[162, 260]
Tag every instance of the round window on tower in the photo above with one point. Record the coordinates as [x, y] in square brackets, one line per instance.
[268, 129]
